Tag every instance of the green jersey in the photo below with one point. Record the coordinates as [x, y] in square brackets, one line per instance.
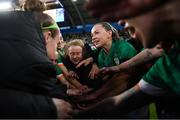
[120, 51]
[58, 69]
[165, 73]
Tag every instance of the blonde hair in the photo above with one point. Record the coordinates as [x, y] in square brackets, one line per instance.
[75, 42]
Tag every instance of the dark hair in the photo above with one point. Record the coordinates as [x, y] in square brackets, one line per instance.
[34, 5]
[108, 26]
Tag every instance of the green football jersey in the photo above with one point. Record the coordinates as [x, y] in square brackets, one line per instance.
[165, 73]
[120, 51]
[59, 63]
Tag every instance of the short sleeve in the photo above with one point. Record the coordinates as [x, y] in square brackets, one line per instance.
[127, 51]
[153, 76]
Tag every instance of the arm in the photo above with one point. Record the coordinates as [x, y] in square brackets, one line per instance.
[118, 105]
[142, 58]
[116, 85]
[85, 62]
[137, 61]
[64, 69]
[94, 71]
[77, 84]
[63, 80]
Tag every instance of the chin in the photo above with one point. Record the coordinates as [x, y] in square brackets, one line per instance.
[98, 46]
[75, 63]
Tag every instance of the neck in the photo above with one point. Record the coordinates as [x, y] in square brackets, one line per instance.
[107, 46]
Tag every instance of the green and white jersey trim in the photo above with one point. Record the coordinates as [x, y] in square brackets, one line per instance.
[151, 89]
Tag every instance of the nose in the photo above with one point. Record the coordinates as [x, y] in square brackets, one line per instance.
[74, 56]
[93, 38]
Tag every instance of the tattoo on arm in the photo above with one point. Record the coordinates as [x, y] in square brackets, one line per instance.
[149, 55]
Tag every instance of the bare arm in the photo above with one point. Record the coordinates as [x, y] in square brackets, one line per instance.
[64, 81]
[137, 61]
[116, 85]
[117, 106]
[85, 62]
[64, 69]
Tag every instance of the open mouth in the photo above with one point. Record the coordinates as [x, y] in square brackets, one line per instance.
[96, 42]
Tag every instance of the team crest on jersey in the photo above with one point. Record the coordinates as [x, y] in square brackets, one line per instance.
[116, 60]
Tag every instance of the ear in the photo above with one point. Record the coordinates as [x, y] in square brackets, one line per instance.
[110, 33]
[47, 36]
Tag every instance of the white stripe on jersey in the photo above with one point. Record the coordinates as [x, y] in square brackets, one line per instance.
[150, 89]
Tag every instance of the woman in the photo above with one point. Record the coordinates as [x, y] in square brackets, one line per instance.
[114, 49]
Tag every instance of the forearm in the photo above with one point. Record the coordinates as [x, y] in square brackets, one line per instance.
[75, 83]
[64, 81]
[137, 61]
[64, 70]
[116, 85]
[117, 106]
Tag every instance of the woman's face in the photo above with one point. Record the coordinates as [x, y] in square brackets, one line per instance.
[61, 42]
[51, 46]
[75, 54]
[100, 36]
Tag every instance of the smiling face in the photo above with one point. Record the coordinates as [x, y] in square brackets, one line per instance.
[100, 36]
[75, 54]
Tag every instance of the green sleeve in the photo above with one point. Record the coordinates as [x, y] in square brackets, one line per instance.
[153, 76]
[59, 60]
[58, 70]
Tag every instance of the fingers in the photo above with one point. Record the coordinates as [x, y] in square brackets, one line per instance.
[158, 46]
[73, 92]
[80, 64]
[76, 76]
[73, 74]
[94, 72]
[91, 75]
[85, 63]
[104, 70]
[84, 87]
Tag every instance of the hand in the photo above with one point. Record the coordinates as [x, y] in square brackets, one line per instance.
[108, 70]
[115, 10]
[83, 88]
[73, 92]
[64, 109]
[156, 51]
[94, 71]
[72, 74]
[84, 98]
[87, 90]
[85, 62]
